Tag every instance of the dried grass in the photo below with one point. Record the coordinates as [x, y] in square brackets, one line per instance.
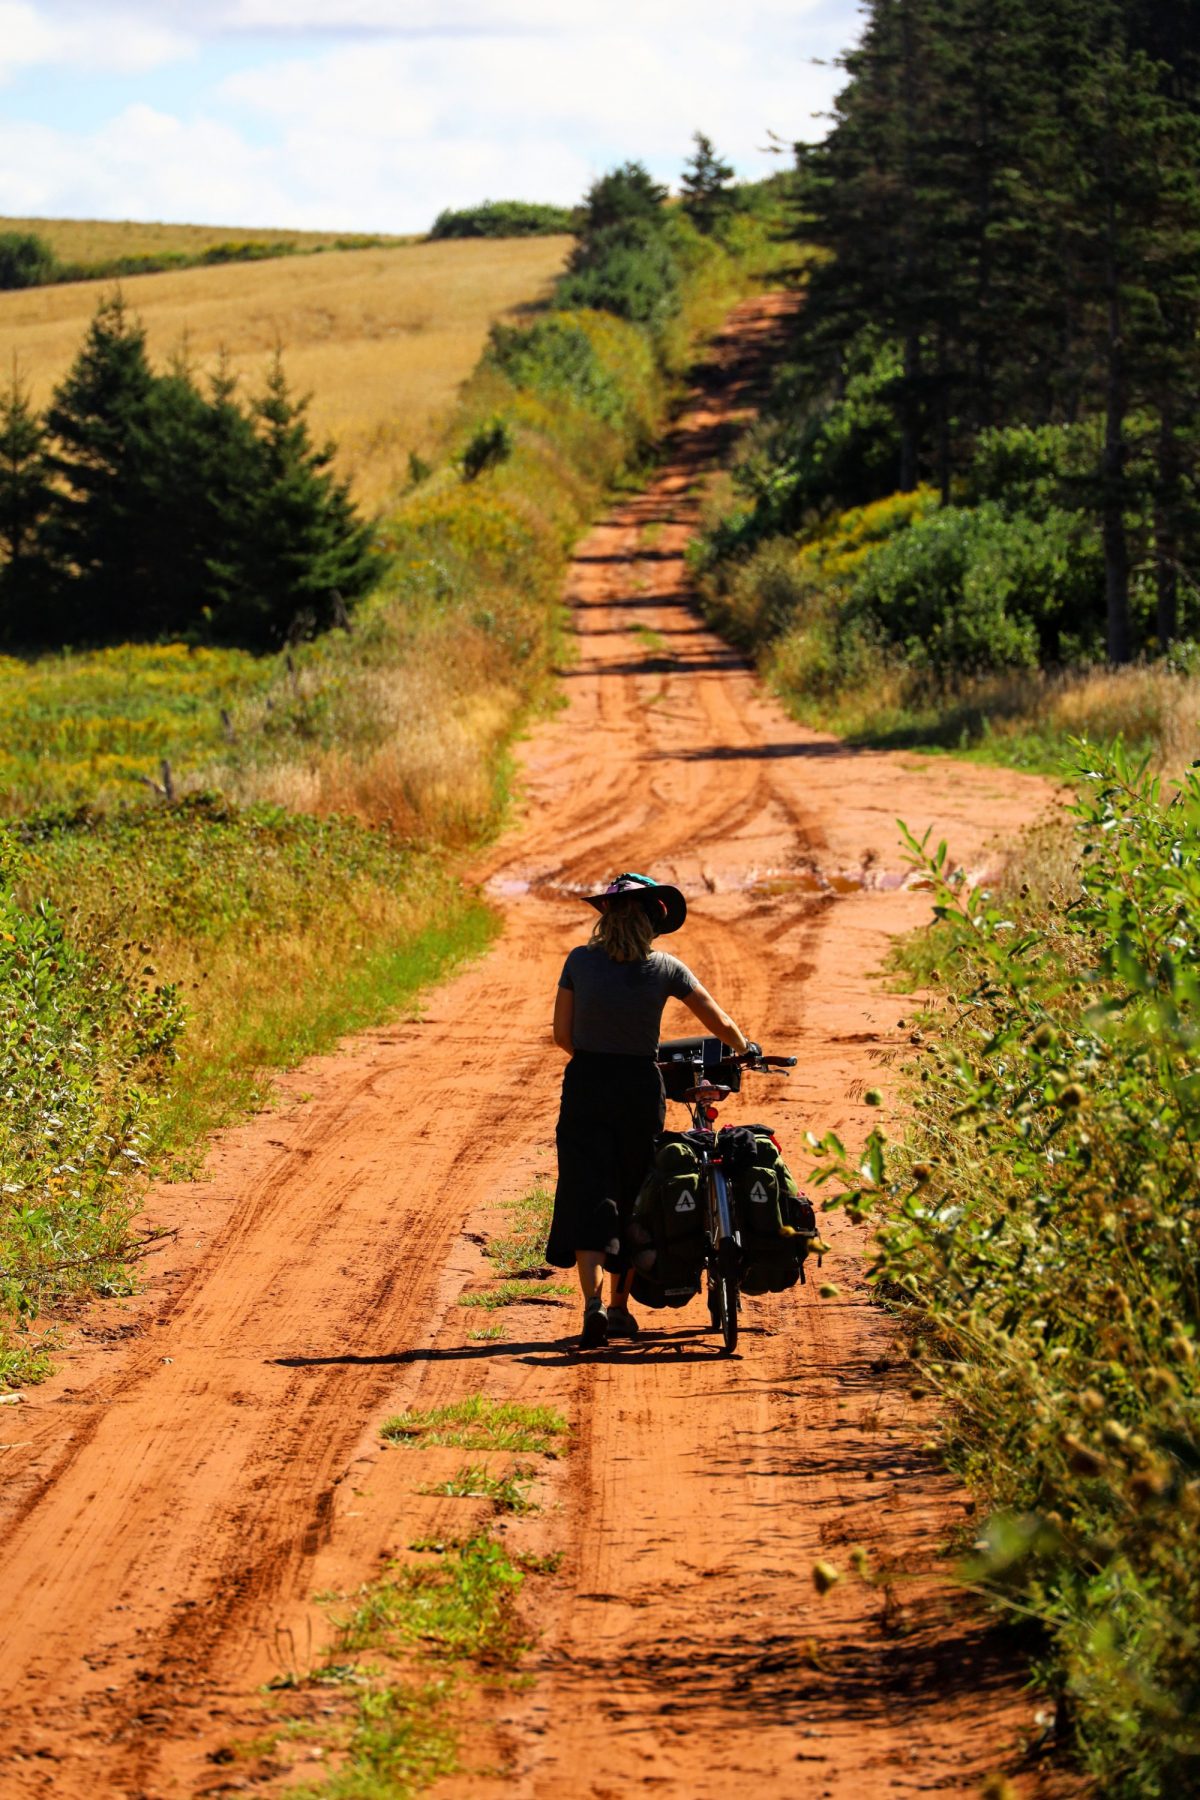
[100, 240]
[381, 338]
[1025, 716]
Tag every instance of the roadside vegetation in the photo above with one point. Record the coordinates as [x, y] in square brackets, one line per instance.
[262, 848]
[969, 515]
[1038, 1236]
[40, 252]
[502, 219]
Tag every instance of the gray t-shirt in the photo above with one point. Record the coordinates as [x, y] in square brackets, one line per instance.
[619, 1006]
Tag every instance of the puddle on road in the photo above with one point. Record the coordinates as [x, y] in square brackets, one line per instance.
[805, 881]
[759, 884]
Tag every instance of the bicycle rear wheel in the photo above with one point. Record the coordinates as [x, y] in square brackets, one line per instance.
[727, 1312]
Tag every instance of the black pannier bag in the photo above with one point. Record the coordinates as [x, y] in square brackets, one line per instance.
[777, 1222]
[666, 1231]
[676, 1060]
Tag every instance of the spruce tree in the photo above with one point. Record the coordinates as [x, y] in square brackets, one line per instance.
[706, 186]
[294, 555]
[103, 459]
[621, 196]
[25, 498]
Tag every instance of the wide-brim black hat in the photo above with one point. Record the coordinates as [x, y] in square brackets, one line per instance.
[666, 905]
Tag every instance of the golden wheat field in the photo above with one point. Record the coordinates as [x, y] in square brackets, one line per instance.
[99, 240]
[381, 338]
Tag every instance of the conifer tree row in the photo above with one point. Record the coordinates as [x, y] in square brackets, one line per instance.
[144, 506]
[1010, 196]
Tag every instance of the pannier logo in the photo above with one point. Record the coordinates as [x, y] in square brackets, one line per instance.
[686, 1202]
[759, 1195]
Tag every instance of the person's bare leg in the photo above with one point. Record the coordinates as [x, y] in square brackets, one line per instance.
[589, 1266]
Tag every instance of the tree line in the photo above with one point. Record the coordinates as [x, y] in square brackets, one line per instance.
[144, 504]
[1008, 301]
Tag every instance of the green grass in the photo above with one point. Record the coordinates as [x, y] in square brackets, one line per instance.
[515, 1293]
[521, 1250]
[488, 1334]
[456, 1604]
[474, 1481]
[271, 935]
[979, 723]
[479, 1423]
[281, 934]
[455, 1607]
[401, 1740]
[372, 983]
[92, 727]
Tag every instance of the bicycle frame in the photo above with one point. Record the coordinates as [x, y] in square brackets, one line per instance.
[723, 1257]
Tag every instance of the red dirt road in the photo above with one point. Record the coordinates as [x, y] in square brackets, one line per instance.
[208, 1459]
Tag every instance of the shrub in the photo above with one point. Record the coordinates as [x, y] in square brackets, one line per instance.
[1033, 469]
[1042, 1223]
[555, 356]
[490, 444]
[627, 269]
[502, 218]
[774, 591]
[969, 589]
[832, 448]
[26, 260]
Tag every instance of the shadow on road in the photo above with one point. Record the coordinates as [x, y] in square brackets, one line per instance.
[696, 1345]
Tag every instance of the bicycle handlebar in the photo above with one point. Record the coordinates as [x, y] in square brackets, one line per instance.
[753, 1057]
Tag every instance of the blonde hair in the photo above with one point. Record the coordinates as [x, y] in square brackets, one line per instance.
[624, 930]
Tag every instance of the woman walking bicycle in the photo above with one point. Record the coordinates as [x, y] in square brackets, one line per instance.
[607, 1013]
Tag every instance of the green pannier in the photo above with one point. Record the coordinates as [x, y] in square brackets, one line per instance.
[666, 1231]
[777, 1222]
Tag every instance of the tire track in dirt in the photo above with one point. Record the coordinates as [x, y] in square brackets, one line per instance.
[209, 1457]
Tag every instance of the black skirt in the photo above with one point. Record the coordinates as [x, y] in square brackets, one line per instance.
[612, 1110]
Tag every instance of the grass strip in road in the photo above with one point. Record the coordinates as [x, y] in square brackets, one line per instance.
[515, 1293]
[456, 1608]
[480, 1423]
[453, 1608]
[457, 1602]
[521, 1250]
[474, 1481]
[401, 1740]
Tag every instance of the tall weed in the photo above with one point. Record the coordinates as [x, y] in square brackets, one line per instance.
[86, 1041]
[1041, 1223]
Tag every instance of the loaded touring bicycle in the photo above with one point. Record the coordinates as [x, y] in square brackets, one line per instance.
[717, 1206]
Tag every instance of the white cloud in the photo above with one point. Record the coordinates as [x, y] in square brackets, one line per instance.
[452, 101]
[454, 18]
[143, 164]
[102, 39]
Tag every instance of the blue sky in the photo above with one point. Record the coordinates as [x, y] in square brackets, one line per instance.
[374, 114]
